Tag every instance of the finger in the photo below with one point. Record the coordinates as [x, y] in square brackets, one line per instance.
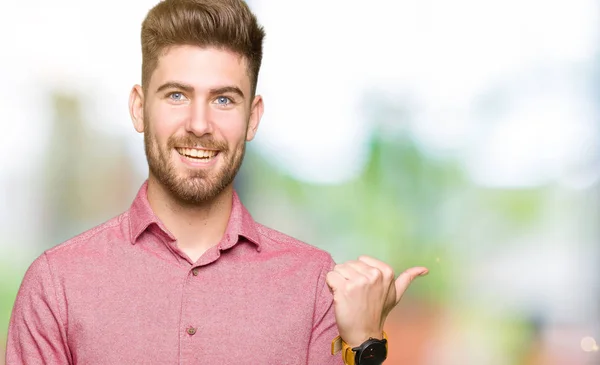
[370, 260]
[365, 269]
[385, 269]
[334, 281]
[347, 271]
[406, 278]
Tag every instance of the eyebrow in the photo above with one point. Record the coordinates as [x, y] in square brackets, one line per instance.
[175, 85]
[227, 89]
[189, 89]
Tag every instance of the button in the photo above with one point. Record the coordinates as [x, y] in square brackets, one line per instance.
[195, 271]
[191, 331]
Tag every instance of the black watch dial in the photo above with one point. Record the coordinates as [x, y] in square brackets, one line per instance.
[373, 352]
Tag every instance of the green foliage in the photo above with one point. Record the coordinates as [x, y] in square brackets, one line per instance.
[391, 211]
[407, 208]
[10, 279]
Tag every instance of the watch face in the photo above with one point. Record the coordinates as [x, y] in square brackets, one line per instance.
[373, 354]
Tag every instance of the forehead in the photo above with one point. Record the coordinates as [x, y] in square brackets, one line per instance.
[202, 68]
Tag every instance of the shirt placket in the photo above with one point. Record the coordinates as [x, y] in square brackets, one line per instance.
[190, 327]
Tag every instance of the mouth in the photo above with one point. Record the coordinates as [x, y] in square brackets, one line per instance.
[197, 155]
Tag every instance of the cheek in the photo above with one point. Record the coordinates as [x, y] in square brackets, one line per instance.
[232, 127]
[235, 136]
[163, 123]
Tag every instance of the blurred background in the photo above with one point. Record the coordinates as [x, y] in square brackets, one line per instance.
[459, 135]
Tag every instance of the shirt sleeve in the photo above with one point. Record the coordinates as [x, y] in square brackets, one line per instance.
[324, 325]
[36, 333]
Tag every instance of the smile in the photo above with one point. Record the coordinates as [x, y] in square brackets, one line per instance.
[197, 154]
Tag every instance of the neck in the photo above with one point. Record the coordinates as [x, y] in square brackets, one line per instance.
[196, 227]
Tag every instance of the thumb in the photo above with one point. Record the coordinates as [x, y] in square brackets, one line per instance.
[404, 280]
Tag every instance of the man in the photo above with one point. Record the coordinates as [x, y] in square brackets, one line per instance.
[186, 275]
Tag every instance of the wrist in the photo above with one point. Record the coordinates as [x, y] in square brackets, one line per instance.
[357, 340]
[370, 352]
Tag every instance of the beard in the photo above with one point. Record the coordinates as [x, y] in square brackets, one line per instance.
[194, 186]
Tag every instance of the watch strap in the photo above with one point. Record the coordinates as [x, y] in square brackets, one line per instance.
[348, 355]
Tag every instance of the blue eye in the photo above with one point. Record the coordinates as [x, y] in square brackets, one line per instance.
[222, 100]
[176, 96]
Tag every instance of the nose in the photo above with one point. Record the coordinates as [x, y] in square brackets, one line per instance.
[199, 122]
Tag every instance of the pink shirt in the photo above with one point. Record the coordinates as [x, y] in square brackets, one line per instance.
[123, 293]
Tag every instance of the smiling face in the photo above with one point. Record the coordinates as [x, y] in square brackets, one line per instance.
[196, 113]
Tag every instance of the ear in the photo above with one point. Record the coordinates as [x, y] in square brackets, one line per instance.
[136, 108]
[256, 112]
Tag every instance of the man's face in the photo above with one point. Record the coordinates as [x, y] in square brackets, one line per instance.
[197, 116]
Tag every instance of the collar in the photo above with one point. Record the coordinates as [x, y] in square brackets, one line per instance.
[240, 224]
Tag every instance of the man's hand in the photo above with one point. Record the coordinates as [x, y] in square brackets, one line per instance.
[364, 293]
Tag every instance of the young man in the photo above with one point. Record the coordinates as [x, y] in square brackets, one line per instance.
[186, 275]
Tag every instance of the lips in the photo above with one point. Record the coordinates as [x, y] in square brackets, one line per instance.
[197, 153]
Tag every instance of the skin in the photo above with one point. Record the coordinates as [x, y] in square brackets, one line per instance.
[196, 98]
[364, 292]
[200, 98]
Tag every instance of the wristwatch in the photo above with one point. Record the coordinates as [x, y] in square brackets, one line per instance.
[370, 352]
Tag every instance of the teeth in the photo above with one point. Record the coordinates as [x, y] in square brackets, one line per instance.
[192, 152]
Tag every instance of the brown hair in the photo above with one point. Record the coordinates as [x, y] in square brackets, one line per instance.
[224, 24]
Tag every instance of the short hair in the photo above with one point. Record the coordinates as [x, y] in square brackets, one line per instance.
[223, 24]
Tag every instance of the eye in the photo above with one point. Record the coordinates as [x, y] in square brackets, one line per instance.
[223, 100]
[176, 96]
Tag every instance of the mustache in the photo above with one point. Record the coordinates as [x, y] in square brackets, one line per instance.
[191, 141]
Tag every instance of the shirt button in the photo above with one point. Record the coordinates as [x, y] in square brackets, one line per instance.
[191, 331]
[195, 271]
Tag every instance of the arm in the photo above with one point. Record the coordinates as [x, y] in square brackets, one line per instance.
[36, 334]
[324, 325]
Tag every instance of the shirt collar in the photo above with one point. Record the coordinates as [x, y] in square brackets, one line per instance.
[240, 224]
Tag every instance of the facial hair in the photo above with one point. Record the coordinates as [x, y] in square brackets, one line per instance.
[191, 187]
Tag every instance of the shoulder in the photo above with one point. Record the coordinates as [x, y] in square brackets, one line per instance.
[276, 241]
[92, 242]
